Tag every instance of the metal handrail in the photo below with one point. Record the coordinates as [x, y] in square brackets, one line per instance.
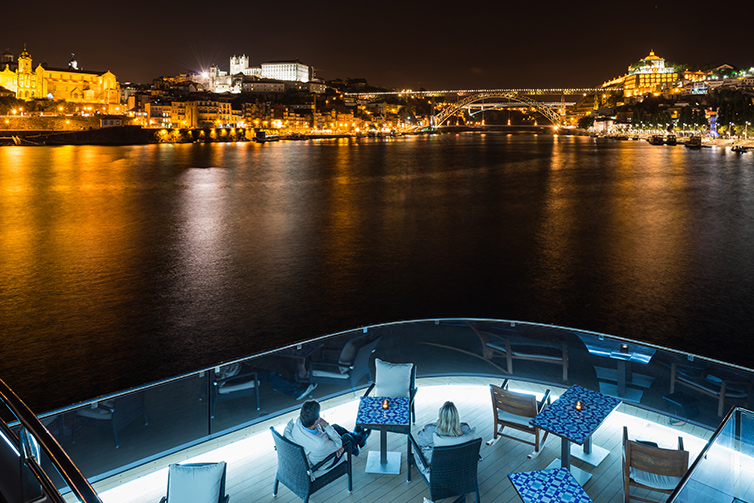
[63, 463]
[365, 328]
[735, 411]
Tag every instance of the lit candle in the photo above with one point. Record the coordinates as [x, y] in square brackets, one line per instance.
[578, 405]
[624, 348]
[385, 404]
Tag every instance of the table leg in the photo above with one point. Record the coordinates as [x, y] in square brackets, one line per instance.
[383, 445]
[383, 461]
[588, 445]
[565, 453]
[622, 364]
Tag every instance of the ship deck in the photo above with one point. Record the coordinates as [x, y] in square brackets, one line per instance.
[252, 460]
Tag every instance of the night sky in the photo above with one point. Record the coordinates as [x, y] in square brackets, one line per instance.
[469, 44]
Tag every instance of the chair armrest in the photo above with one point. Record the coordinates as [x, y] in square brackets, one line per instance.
[369, 390]
[330, 365]
[544, 402]
[417, 449]
[239, 378]
[505, 384]
[321, 464]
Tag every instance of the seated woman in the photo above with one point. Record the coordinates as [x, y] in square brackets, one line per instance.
[448, 430]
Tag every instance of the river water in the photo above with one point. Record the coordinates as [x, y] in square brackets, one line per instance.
[124, 265]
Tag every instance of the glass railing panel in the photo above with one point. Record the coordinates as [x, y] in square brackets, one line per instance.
[120, 431]
[19, 450]
[725, 470]
[689, 388]
[249, 390]
[235, 394]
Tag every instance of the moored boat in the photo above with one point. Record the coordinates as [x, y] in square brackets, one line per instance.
[694, 142]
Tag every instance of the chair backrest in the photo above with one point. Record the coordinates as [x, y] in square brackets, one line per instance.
[292, 463]
[652, 459]
[126, 408]
[519, 404]
[197, 482]
[362, 360]
[454, 469]
[394, 379]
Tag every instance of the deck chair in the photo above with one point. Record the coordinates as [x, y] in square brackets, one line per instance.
[514, 410]
[116, 413]
[296, 474]
[196, 482]
[350, 368]
[715, 383]
[451, 471]
[542, 349]
[232, 381]
[647, 466]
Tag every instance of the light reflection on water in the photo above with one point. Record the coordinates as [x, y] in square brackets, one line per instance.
[120, 266]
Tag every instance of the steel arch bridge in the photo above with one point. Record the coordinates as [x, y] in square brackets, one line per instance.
[439, 119]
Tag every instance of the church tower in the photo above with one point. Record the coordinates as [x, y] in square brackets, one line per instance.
[24, 62]
[238, 64]
[27, 79]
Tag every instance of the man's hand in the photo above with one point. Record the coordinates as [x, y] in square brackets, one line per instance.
[324, 424]
[340, 452]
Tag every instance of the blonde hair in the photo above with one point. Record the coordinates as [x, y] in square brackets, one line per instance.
[448, 422]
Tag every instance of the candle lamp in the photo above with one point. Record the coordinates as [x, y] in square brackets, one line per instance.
[385, 404]
[624, 348]
[578, 406]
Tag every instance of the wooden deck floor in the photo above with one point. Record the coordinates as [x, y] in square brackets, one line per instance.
[252, 461]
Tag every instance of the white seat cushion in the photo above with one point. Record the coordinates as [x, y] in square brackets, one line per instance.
[513, 418]
[392, 379]
[331, 375]
[230, 388]
[98, 412]
[197, 484]
[654, 480]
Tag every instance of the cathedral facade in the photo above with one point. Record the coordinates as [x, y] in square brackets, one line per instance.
[67, 84]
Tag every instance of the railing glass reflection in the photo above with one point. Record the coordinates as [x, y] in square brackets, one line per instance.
[120, 431]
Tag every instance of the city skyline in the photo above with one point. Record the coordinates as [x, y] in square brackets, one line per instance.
[479, 46]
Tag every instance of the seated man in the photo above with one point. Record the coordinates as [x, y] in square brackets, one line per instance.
[320, 439]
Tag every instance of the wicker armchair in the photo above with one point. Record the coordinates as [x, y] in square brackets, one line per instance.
[452, 471]
[296, 474]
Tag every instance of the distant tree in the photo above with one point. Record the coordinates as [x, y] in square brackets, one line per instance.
[8, 103]
[733, 107]
[586, 122]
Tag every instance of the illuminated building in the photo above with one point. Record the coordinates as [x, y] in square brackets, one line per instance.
[293, 71]
[67, 84]
[650, 76]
